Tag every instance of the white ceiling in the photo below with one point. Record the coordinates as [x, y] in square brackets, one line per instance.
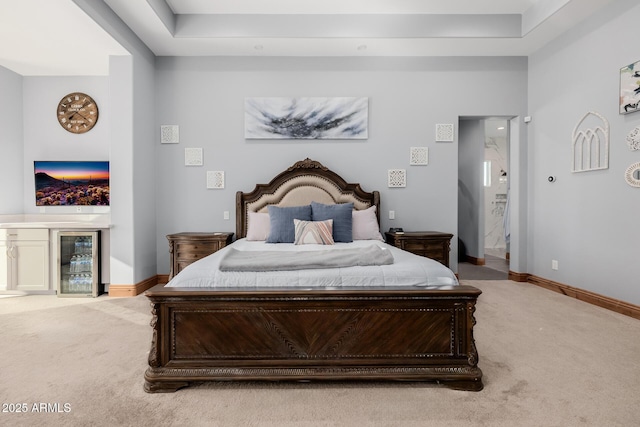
[55, 37]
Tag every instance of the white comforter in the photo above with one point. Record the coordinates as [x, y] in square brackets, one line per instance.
[407, 270]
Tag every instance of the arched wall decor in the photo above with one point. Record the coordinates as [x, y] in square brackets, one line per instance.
[590, 146]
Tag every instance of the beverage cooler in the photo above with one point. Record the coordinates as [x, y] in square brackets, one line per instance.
[79, 264]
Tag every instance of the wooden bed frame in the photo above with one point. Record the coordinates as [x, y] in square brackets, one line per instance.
[403, 334]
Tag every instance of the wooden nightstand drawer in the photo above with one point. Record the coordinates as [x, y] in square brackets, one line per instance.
[421, 245]
[186, 248]
[430, 244]
[196, 250]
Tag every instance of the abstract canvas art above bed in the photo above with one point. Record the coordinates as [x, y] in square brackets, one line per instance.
[306, 118]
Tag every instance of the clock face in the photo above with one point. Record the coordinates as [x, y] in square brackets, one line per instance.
[77, 112]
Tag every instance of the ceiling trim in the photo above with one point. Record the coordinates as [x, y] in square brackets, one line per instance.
[348, 26]
[539, 13]
[164, 13]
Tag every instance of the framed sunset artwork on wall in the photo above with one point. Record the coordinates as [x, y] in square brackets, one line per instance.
[71, 183]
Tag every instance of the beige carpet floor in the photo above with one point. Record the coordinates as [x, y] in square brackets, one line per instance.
[548, 360]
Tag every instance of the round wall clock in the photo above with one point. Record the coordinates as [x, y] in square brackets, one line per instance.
[77, 112]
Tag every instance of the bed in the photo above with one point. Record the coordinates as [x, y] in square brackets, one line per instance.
[401, 318]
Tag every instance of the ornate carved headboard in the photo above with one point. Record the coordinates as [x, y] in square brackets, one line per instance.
[302, 183]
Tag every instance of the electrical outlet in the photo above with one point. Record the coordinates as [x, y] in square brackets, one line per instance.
[225, 214]
[554, 264]
[392, 214]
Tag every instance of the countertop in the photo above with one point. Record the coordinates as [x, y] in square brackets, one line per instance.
[56, 221]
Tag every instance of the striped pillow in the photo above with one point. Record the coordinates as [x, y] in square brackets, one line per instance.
[313, 232]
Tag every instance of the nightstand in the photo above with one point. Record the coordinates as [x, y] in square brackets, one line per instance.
[430, 244]
[185, 248]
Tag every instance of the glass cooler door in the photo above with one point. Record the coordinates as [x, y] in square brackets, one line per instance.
[79, 263]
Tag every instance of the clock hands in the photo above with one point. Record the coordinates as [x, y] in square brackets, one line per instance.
[76, 113]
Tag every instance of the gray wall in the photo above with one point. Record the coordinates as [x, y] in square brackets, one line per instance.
[587, 221]
[11, 148]
[145, 170]
[407, 97]
[122, 165]
[133, 167]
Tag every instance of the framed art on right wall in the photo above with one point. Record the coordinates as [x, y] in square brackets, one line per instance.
[630, 88]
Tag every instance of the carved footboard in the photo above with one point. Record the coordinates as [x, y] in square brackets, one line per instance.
[328, 334]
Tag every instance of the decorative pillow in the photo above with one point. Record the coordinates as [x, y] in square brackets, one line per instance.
[365, 225]
[341, 216]
[258, 226]
[281, 229]
[313, 232]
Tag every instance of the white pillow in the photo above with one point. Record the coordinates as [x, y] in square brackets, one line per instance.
[313, 232]
[259, 226]
[365, 225]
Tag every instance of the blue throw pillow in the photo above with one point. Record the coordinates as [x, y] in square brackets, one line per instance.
[342, 217]
[282, 229]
